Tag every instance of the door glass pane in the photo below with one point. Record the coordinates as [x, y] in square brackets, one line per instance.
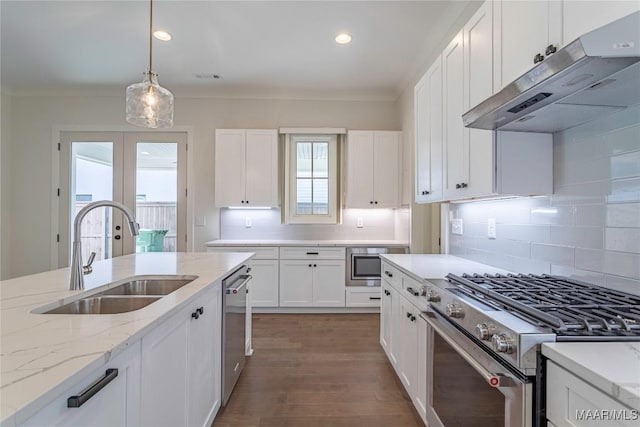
[156, 196]
[92, 180]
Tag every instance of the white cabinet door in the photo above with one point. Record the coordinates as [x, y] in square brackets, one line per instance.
[386, 169]
[165, 373]
[264, 283]
[456, 141]
[428, 131]
[386, 316]
[296, 283]
[396, 334]
[360, 169]
[580, 17]
[525, 29]
[409, 355]
[115, 404]
[420, 390]
[261, 168]
[478, 78]
[328, 283]
[204, 348]
[229, 167]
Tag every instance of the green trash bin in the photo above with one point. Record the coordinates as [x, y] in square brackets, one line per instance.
[150, 240]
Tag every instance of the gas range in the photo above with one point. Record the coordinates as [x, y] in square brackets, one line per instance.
[510, 315]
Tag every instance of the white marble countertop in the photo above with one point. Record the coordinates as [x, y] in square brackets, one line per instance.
[612, 367]
[423, 266]
[351, 243]
[44, 354]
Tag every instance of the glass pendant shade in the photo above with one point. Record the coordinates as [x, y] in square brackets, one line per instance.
[149, 105]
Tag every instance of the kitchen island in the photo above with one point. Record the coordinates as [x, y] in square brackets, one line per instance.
[43, 355]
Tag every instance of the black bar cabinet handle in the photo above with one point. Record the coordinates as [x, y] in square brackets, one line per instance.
[89, 392]
[312, 253]
[374, 297]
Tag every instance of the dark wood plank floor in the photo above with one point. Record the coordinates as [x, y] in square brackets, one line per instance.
[314, 370]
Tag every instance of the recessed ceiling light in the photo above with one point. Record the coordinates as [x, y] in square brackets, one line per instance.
[343, 38]
[162, 35]
[146, 153]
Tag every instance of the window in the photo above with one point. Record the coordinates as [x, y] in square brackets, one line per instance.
[311, 180]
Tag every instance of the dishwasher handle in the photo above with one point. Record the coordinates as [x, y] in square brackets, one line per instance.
[245, 279]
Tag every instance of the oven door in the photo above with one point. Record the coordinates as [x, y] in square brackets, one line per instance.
[467, 386]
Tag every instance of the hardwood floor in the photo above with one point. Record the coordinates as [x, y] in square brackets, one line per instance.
[313, 370]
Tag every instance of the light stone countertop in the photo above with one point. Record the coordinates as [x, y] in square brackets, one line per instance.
[41, 355]
[612, 367]
[346, 243]
[424, 267]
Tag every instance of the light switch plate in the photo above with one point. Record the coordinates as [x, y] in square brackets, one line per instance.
[456, 226]
[491, 228]
[201, 220]
[359, 222]
[247, 222]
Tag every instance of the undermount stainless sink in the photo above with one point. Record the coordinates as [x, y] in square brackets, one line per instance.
[147, 287]
[128, 295]
[103, 305]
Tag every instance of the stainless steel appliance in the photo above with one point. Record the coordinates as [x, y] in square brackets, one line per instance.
[484, 338]
[596, 74]
[364, 264]
[234, 292]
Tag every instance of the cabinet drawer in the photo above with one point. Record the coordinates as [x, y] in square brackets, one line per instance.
[262, 252]
[311, 253]
[363, 297]
[392, 275]
[573, 402]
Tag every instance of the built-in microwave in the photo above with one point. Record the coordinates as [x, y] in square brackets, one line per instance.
[364, 265]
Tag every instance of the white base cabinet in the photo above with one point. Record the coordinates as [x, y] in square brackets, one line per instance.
[181, 366]
[115, 404]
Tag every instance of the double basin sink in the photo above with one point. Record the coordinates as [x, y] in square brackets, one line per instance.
[134, 294]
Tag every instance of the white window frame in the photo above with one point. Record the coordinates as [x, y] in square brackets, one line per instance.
[290, 215]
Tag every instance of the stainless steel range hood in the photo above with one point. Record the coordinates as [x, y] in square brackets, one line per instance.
[597, 74]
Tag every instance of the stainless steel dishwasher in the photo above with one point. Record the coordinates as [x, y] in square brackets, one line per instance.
[233, 331]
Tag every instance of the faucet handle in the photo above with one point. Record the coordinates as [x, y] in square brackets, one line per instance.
[87, 269]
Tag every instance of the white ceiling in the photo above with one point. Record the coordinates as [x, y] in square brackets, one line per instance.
[260, 48]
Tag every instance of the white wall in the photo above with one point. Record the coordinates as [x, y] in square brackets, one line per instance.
[5, 185]
[34, 118]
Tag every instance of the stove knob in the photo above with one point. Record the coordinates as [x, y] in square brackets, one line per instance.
[454, 310]
[502, 343]
[433, 296]
[484, 331]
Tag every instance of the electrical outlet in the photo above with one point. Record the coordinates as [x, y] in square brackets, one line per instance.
[456, 227]
[247, 222]
[359, 222]
[491, 228]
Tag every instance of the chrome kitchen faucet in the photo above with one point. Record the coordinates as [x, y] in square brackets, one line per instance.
[76, 281]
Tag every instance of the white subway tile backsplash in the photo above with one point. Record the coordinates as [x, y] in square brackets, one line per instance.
[590, 259]
[623, 215]
[625, 165]
[589, 229]
[624, 190]
[623, 240]
[563, 255]
[622, 264]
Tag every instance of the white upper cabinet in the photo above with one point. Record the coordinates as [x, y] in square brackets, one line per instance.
[428, 133]
[373, 169]
[524, 29]
[580, 17]
[246, 167]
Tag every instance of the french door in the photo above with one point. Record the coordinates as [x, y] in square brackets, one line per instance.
[146, 171]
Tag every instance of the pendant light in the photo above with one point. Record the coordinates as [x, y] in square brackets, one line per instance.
[149, 105]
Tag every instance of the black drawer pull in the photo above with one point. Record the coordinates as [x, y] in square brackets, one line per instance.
[87, 393]
[374, 298]
[388, 274]
[312, 253]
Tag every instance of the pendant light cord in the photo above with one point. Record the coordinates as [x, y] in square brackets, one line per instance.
[150, 34]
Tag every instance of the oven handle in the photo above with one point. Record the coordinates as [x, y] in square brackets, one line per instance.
[494, 380]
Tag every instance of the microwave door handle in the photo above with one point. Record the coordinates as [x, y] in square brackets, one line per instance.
[494, 380]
